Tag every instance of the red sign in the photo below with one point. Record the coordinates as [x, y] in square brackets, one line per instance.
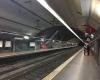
[43, 45]
[90, 30]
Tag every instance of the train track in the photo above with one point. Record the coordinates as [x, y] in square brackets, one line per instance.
[10, 71]
[23, 66]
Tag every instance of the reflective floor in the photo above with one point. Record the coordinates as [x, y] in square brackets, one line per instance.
[81, 68]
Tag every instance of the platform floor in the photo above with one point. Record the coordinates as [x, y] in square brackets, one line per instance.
[81, 68]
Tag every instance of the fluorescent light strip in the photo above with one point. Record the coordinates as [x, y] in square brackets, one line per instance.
[46, 6]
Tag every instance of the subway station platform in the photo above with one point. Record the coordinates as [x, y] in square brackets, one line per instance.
[79, 68]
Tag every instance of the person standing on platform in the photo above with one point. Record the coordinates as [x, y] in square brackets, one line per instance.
[88, 50]
[85, 48]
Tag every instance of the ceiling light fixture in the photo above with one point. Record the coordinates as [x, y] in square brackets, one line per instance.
[98, 9]
[18, 38]
[46, 6]
[26, 37]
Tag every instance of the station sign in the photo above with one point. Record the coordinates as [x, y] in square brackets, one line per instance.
[90, 30]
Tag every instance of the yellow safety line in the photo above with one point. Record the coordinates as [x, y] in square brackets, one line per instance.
[61, 67]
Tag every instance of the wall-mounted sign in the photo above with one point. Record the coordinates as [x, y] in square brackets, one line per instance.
[32, 44]
[8, 44]
[1, 43]
[90, 30]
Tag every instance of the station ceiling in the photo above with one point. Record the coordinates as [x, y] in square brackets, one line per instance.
[25, 17]
[28, 17]
[59, 33]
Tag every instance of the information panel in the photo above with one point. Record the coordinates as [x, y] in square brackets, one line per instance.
[1, 43]
[8, 44]
[32, 44]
